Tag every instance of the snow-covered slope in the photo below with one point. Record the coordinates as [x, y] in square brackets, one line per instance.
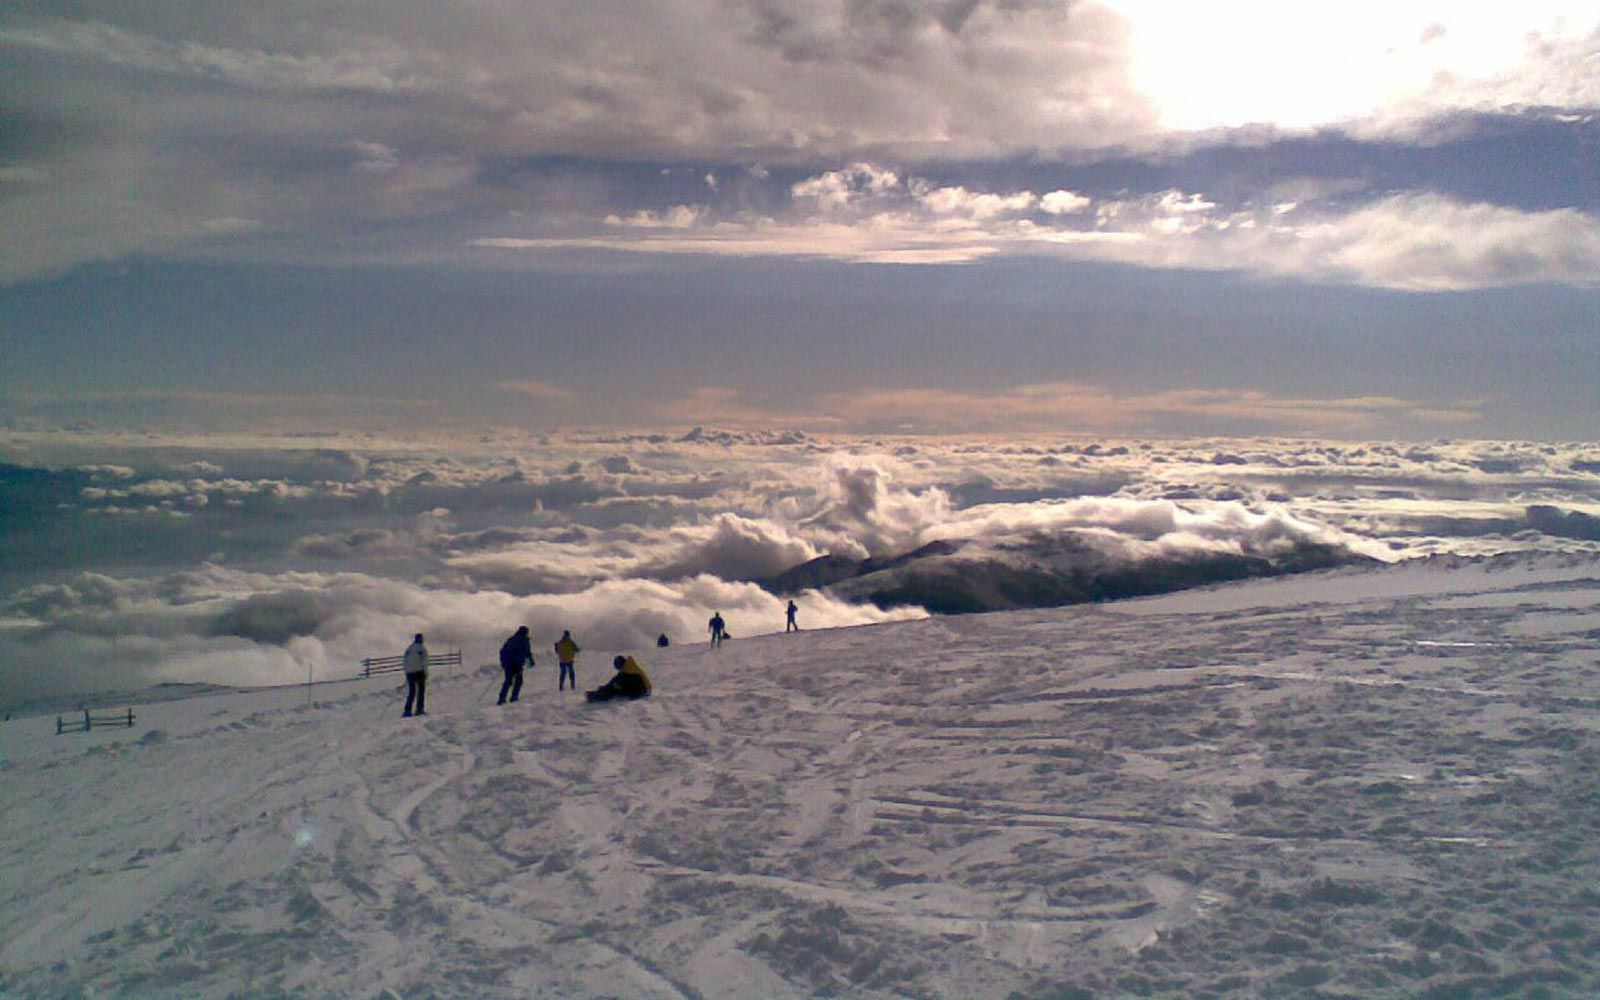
[1365, 783]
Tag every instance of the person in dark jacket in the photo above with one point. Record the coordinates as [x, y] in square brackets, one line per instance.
[416, 666]
[515, 653]
[789, 622]
[718, 627]
[630, 682]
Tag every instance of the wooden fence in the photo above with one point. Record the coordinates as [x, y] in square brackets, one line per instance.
[373, 665]
[90, 720]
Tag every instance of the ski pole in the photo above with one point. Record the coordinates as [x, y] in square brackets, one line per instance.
[394, 693]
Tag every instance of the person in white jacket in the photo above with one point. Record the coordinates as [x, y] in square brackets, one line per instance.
[416, 663]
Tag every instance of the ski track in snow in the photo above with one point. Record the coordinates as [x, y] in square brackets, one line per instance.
[1373, 784]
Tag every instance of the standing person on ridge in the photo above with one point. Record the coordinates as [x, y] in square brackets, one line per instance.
[567, 655]
[789, 624]
[717, 626]
[515, 653]
[416, 664]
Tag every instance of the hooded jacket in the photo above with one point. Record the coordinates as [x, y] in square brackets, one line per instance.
[517, 652]
[631, 678]
[416, 659]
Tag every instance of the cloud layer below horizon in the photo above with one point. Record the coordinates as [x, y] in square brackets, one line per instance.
[262, 560]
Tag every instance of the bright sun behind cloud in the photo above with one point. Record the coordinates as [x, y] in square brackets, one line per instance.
[1299, 66]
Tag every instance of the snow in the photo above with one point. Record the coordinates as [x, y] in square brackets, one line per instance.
[1357, 783]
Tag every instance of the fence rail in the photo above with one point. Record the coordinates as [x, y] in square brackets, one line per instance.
[91, 720]
[394, 664]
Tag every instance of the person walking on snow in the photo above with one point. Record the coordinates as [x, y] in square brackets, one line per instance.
[515, 653]
[718, 628]
[788, 624]
[567, 656]
[416, 665]
[630, 682]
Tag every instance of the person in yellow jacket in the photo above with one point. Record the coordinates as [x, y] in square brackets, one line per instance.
[567, 656]
[630, 681]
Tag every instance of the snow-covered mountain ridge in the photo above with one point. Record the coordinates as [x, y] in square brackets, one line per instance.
[1039, 570]
[1360, 782]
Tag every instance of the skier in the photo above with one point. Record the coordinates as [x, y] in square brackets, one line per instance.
[515, 653]
[416, 665]
[718, 628]
[630, 682]
[567, 655]
[789, 624]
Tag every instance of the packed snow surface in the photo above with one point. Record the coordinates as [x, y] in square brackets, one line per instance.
[1375, 782]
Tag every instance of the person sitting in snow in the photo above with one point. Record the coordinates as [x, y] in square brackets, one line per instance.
[566, 656]
[515, 653]
[416, 664]
[630, 682]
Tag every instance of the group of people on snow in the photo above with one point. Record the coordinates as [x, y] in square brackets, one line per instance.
[516, 653]
[719, 627]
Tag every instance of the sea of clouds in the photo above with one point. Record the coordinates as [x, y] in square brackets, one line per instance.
[243, 559]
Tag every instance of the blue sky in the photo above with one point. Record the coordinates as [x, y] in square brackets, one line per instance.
[1351, 221]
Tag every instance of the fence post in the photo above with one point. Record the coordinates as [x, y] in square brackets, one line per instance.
[88, 721]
